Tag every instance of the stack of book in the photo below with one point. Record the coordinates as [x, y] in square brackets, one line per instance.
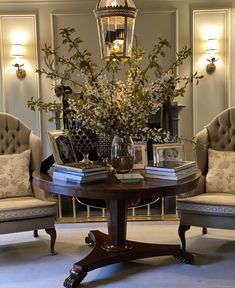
[79, 173]
[171, 170]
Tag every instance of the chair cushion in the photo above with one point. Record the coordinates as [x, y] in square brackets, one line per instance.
[25, 207]
[221, 171]
[14, 175]
[208, 203]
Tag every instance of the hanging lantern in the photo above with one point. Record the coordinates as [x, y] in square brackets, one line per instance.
[115, 22]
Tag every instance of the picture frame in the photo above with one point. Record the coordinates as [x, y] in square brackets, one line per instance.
[168, 152]
[61, 146]
[140, 155]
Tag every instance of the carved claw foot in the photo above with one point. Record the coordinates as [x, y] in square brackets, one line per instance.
[74, 280]
[89, 241]
[185, 257]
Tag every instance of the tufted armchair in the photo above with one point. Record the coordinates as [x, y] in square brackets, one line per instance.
[212, 204]
[23, 207]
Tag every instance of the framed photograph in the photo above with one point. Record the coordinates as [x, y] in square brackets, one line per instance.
[61, 147]
[140, 155]
[168, 152]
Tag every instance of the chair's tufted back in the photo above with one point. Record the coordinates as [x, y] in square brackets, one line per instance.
[14, 134]
[219, 134]
[221, 131]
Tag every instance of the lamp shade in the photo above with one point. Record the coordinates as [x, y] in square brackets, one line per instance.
[115, 23]
[17, 50]
[212, 46]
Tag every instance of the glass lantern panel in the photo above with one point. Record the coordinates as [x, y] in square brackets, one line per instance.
[129, 35]
[113, 35]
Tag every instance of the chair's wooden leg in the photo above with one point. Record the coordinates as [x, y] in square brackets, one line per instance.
[184, 256]
[52, 233]
[204, 230]
[35, 233]
[181, 231]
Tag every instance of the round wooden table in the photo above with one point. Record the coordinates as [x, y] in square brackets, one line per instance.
[114, 247]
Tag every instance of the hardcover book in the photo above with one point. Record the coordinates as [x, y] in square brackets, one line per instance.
[171, 166]
[78, 179]
[80, 167]
[170, 177]
[172, 173]
[78, 173]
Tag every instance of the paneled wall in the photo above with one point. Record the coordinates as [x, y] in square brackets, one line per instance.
[19, 29]
[85, 25]
[178, 21]
[214, 91]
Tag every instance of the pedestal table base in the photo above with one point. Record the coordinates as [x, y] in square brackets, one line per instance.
[104, 254]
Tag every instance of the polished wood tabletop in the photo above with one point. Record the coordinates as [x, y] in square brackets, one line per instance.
[113, 189]
[114, 247]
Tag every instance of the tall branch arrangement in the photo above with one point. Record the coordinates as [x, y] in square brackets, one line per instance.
[102, 101]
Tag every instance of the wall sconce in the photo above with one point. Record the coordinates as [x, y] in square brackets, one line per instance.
[17, 51]
[212, 48]
[115, 23]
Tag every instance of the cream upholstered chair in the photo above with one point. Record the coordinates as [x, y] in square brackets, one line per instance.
[23, 207]
[212, 204]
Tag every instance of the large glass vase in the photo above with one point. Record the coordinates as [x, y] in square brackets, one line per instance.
[122, 154]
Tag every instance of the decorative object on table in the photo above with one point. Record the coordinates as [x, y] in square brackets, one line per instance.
[103, 102]
[171, 170]
[63, 92]
[82, 138]
[168, 152]
[47, 163]
[166, 116]
[122, 154]
[166, 110]
[79, 172]
[129, 177]
[61, 146]
[103, 147]
[141, 159]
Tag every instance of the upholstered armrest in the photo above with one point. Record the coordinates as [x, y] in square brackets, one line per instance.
[202, 150]
[35, 145]
[201, 188]
[42, 194]
[202, 163]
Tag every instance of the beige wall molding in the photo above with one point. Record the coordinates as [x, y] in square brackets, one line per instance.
[213, 94]
[16, 92]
